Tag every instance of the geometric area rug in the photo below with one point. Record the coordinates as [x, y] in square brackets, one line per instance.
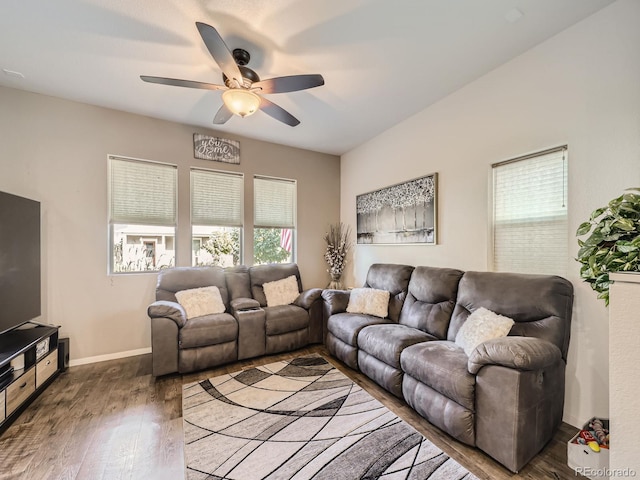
[301, 419]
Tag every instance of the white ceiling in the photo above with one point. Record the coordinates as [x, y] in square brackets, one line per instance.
[382, 60]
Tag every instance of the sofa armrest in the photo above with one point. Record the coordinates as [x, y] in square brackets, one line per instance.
[251, 332]
[166, 309]
[306, 298]
[165, 337]
[241, 304]
[520, 353]
[335, 301]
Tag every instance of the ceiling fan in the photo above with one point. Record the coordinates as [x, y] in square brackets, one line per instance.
[242, 86]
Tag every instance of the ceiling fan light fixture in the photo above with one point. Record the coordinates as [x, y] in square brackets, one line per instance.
[241, 101]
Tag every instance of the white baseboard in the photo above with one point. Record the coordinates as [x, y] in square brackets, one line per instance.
[109, 356]
[574, 422]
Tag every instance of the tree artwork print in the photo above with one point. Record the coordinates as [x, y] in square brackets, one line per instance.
[402, 213]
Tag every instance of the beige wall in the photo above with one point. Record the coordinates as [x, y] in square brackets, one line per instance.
[580, 88]
[55, 151]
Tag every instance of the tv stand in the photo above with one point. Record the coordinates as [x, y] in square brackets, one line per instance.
[28, 364]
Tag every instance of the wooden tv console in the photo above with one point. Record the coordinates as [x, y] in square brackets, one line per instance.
[28, 364]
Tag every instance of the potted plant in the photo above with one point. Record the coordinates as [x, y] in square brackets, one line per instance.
[613, 244]
[338, 246]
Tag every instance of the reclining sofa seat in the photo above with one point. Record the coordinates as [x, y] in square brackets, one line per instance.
[507, 397]
[343, 327]
[181, 345]
[425, 316]
[246, 329]
[287, 327]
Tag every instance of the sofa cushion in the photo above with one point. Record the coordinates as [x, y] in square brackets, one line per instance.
[261, 274]
[369, 301]
[201, 301]
[238, 281]
[431, 299]
[281, 292]
[386, 342]
[441, 411]
[442, 366]
[480, 326]
[540, 305]
[388, 377]
[208, 330]
[346, 326]
[393, 278]
[346, 353]
[285, 318]
[172, 280]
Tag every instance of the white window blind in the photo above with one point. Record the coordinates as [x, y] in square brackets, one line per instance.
[142, 193]
[274, 203]
[216, 198]
[530, 214]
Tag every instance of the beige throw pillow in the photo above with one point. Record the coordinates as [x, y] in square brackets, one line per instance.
[369, 301]
[281, 292]
[201, 301]
[482, 325]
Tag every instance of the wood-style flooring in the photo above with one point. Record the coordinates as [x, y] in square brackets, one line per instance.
[113, 420]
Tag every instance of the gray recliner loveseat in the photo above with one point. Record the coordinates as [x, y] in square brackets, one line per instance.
[247, 328]
[506, 397]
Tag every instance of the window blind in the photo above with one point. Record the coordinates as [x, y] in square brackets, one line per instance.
[530, 214]
[142, 193]
[274, 203]
[216, 198]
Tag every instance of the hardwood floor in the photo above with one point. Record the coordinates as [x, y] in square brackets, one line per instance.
[113, 420]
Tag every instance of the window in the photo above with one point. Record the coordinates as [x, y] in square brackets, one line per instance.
[530, 213]
[274, 220]
[142, 215]
[216, 217]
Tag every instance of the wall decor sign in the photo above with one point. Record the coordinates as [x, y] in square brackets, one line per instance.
[399, 214]
[216, 149]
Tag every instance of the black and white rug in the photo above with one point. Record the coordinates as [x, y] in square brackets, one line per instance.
[301, 419]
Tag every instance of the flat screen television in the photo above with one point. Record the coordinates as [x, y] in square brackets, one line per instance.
[20, 299]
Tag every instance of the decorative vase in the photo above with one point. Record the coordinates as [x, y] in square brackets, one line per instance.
[335, 283]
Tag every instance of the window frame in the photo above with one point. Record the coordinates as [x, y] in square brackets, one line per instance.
[491, 253]
[241, 227]
[111, 224]
[294, 228]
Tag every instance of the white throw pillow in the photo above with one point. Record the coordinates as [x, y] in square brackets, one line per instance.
[201, 301]
[482, 325]
[369, 301]
[281, 292]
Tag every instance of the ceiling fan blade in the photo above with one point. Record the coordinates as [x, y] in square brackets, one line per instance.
[277, 112]
[219, 51]
[182, 83]
[289, 84]
[223, 115]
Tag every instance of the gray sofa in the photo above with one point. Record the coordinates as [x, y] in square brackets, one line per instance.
[507, 396]
[247, 328]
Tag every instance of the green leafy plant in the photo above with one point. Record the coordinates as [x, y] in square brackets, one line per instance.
[613, 244]
[223, 243]
[267, 248]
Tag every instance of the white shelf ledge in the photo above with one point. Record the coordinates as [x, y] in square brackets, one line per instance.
[628, 277]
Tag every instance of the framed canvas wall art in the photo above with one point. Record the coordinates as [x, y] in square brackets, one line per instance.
[399, 214]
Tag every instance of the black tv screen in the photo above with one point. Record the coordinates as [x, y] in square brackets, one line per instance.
[19, 260]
